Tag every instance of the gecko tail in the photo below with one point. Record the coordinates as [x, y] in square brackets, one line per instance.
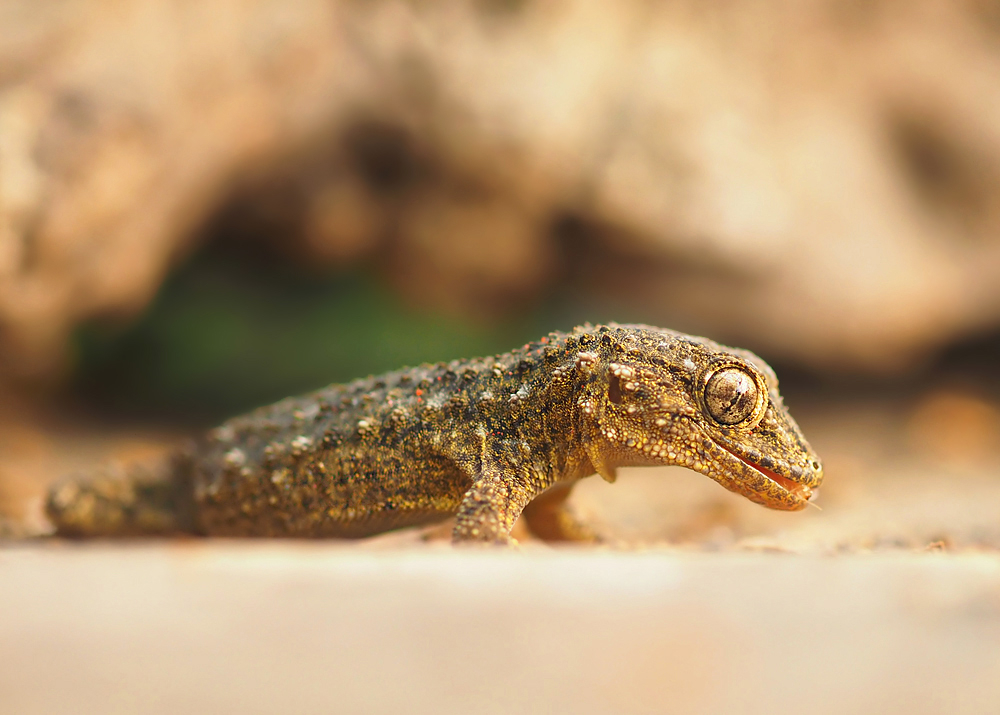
[119, 502]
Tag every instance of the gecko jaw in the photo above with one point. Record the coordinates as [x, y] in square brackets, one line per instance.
[801, 491]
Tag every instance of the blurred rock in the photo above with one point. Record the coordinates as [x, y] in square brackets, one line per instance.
[951, 428]
[817, 180]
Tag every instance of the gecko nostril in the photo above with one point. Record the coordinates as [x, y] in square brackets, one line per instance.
[816, 465]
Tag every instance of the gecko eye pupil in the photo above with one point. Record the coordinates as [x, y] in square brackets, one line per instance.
[730, 396]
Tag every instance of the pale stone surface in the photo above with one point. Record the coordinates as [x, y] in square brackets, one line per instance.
[319, 627]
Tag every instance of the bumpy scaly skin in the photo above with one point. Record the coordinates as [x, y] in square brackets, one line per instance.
[478, 439]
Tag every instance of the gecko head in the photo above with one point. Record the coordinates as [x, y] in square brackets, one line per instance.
[672, 399]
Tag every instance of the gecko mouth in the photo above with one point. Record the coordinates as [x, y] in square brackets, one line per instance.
[799, 490]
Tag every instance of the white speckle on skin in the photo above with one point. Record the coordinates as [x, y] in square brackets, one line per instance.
[622, 371]
[301, 443]
[225, 433]
[586, 359]
[486, 395]
[522, 393]
[235, 457]
[689, 364]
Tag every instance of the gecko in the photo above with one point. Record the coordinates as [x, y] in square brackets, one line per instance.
[484, 440]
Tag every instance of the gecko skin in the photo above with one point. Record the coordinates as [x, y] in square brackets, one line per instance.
[481, 440]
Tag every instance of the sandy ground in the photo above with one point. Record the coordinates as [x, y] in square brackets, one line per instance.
[887, 599]
[219, 627]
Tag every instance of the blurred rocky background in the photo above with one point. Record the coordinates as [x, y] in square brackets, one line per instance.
[206, 206]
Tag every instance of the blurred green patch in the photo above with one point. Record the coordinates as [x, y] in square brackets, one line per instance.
[223, 337]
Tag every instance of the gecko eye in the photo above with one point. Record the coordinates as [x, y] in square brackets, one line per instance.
[731, 395]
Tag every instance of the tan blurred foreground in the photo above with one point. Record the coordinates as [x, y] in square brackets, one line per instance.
[211, 627]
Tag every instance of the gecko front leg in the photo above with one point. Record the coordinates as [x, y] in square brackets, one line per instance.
[490, 508]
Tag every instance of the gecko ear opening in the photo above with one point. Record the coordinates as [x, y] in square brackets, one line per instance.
[615, 390]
